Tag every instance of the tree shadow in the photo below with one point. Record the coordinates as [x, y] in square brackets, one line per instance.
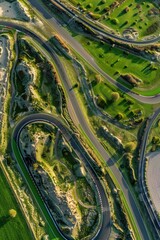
[4, 220]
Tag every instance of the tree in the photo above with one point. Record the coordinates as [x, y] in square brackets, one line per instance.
[114, 96]
[101, 102]
[130, 146]
[103, 2]
[115, 21]
[119, 116]
[98, 78]
[12, 213]
[35, 166]
[155, 140]
[126, 9]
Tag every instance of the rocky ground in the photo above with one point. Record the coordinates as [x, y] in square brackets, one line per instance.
[15, 10]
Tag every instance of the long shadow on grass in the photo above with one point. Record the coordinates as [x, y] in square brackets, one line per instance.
[107, 137]
[4, 220]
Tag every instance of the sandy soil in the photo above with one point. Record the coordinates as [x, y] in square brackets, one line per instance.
[4, 63]
[13, 10]
[153, 179]
[63, 203]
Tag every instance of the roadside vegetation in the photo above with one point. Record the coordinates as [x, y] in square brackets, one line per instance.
[62, 179]
[36, 82]
[118, 129]
[117, 141]
[118, 105]
[51, 160]
[142, 16]
[154, 137]
[120, 219]
[126, 68]
[11, 218]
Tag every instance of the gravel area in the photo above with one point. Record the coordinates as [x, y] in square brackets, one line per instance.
[153, 178]
[13, 10]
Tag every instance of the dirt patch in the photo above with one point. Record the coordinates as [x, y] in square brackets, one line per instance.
[14, 10]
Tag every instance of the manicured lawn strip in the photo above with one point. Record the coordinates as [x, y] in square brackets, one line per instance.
[114, 61]
[148, 92]
[136, 18]
[120, 106]
[148, 109]
[15, 228]
[54, 234]
[119, 19]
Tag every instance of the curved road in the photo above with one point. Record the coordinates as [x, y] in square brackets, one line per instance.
[52, 22]
[82, 121]
[104, 231]
[145, 197]
[88, 58]
[99, 30]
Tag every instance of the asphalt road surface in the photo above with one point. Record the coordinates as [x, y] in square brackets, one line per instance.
[99, 30]
[151, 213]
[104, 231]
[88, 58]
[91, 136]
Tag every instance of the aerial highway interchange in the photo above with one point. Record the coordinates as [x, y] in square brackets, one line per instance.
[43, 132]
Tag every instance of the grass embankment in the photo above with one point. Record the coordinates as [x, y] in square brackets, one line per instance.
[120, 16]
[126, 208]
[11, 228]
[117, 62]
[53, 233]
[153, 142]
[121, 108]
[137, 234]
[129, 108]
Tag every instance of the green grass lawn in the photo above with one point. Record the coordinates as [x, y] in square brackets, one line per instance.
[15, 228]
[115, 62]
[129, 109]
[128, 14]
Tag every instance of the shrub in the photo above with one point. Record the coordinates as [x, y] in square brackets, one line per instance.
[103, 1]
[98, 78]
[89, 5]
[101, 102]
[114, 21]
[114, 96]
[130, 79]
[94, 16]
[119, 116]
[153, 28]
[130, 147]
[98, 8]
[12, 213]
[155, 140]
[126, 9]
[106, 9]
